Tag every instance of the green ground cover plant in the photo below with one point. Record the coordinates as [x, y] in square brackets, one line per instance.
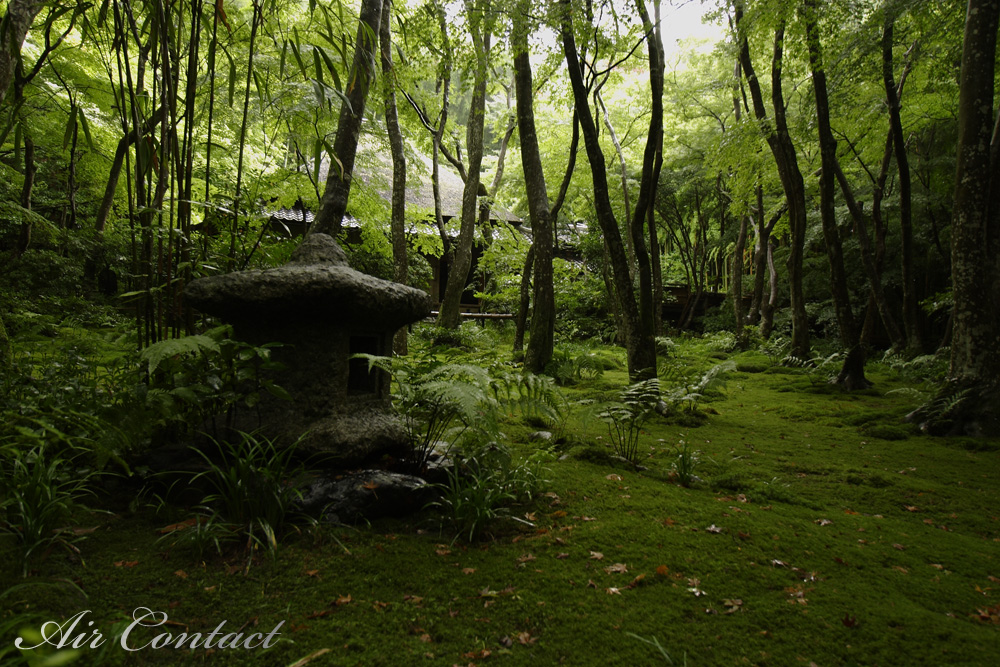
[814, 526]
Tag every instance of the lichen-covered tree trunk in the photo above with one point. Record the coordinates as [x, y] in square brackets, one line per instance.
[975, 345]
[480, 27]
[543, 318]
[398, 221]
[333, 205]
[14, 28]
[852, 373]
[973, 391]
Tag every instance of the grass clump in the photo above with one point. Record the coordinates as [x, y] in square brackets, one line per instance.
[253, 494]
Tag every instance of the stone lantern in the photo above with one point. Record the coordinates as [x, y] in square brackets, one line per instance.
[322, 312]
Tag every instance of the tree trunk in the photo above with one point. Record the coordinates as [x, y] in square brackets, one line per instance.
[975, 346]
[970, 397]
[401, 267]
[543, 319]
[641, 356]
[780, 142]
[877, 297]
[651, 161]
[525, 302]
[767, 309]
[911, 307]
[852, 373]
[480, 26]
[13, 29]
[736, 286]
[333, 205]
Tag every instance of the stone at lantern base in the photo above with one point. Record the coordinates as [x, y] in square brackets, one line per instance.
[322, 312]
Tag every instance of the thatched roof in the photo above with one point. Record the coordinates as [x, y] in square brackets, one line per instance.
[373, 167]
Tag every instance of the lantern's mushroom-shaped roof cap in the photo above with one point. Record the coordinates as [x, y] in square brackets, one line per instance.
[316, 285]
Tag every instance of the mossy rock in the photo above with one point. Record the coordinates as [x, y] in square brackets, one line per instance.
[730, 481]
[751, 367]
[593, 454]
[886, 431]
[686, 418]
[975, 444]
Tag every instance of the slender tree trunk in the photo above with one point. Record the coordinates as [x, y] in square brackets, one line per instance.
[760, 254]
[480, 26]
[237, 204]
[641, 356]
[780, 142]
[543, 319]
[398, 222]
[877, 297]
[111, 186]
[852, 374]
[30, 168]
[333, 205]
[525, 302]
[736, 286]
[651, 160]
[767, 309]
[911, 307]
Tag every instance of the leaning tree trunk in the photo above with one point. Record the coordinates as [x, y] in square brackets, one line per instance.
[911, 308]
[398, 221]
[543, 319]
[333, 205]
[852, 373]
[971, 395]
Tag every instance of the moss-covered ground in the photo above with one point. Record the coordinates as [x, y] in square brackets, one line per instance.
[822, 531]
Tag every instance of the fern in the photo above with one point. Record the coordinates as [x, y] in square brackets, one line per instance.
[177, 347]
[625, 418]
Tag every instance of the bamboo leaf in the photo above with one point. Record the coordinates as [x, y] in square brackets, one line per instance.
[232, 78]
[319, 92]
[297, 55]
[333, 156]
[260, 88]
[317, 159]
[102, 15]
[330, 66]
[70, 124]
[220, 11]
[318, 64]
[86, 128]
